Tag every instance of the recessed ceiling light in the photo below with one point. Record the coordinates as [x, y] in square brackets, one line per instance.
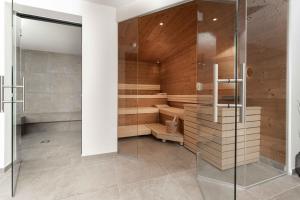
[215, 19]
[161, 23]
[134, 45]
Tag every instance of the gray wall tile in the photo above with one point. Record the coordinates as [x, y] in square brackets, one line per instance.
[53, 82]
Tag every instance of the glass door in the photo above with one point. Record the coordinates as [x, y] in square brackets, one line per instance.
[220, 113]
[265, 54]
[17, 99]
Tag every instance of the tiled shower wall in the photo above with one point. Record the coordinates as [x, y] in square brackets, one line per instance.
[53, 82]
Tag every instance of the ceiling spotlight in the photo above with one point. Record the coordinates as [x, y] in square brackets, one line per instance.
[134, 45]
[215, 19]
[161, 23]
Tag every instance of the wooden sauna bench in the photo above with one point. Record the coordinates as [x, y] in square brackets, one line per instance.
[156, 129]
[133, 130]
[172, 112]
[160, 132]
[215, 142]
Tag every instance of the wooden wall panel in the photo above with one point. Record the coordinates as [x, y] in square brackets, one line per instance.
[148, 73]
[131, 72]
[125, 103]
[266, 83]
[179, 73]
[148, 118]
[177, 33]
[173, 45]
[127, 40]
[128, 71]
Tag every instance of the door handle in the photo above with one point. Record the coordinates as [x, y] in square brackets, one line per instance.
[3, 101]
[242, 95]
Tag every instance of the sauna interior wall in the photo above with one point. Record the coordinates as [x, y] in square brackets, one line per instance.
[266, 83]
[173, 46]
[134, 71]
[127, 70]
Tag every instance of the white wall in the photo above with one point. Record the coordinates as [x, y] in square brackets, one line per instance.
[5, 69]
[293, 84]
[51, 37]
[2, 71]
[99, 54]
[141, 7]
[99, 80]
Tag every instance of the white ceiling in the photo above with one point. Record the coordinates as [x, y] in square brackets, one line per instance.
[114, 3]
[52, 37]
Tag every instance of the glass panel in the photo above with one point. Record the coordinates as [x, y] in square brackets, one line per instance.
[216, 59]
[17, 97]
[128, 88]
[266, 91]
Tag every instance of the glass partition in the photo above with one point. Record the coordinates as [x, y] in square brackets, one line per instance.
[18, 96]
[266, 52]
[128, 87]
[245, 144]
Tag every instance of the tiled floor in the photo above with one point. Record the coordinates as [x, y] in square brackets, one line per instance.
[144, 169]
[247, 175]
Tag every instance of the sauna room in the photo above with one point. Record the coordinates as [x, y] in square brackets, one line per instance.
[176, 71]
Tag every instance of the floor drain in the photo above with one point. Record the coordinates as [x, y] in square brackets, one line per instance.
[45, 141]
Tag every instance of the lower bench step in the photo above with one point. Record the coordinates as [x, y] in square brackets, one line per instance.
[133, 130]
[160, 132]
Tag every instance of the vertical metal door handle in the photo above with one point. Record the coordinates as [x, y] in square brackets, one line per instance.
[242, 95]
[2, 99]
[215, 92]
[1, 94]
[23, 95]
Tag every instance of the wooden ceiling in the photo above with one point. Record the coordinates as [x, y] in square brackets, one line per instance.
[178, 32]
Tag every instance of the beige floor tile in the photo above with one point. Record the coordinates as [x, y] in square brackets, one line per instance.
[293, 194]
[143, 169]
[163, 188]
[189, 183]
[131, 170]
[110, 193]
[274, 187]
